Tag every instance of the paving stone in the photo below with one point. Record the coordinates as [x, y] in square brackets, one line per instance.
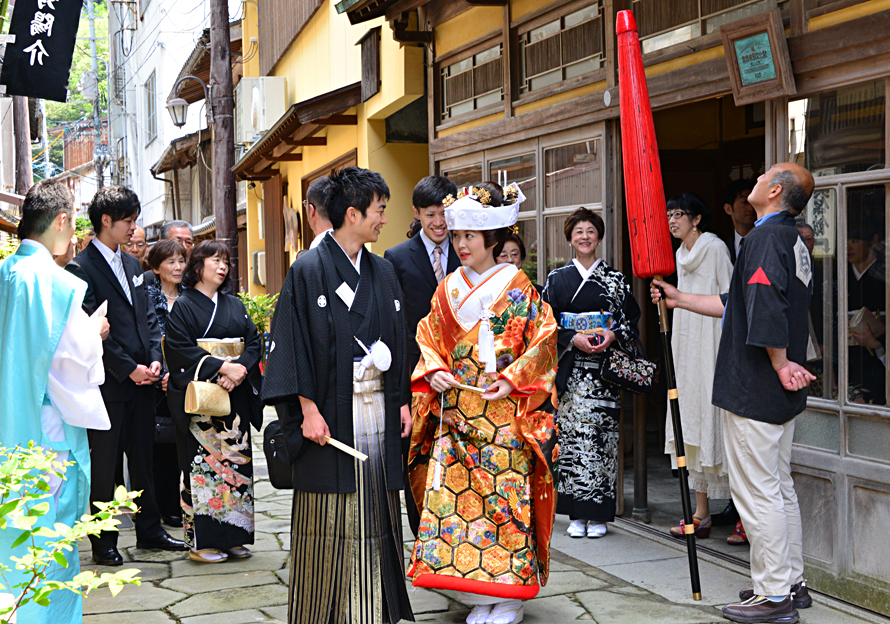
[152, 571]
[206, 583]
[284, 538]
[259, 561]
[269, 525]
[140, 617]
[279, 614]
[426, 601]
[238, 617]
[264, 489]
[283, 575]
[145, 597]
[264, 542]
[552, 609]
[156, 556]
[669, 578]
[613, 608]
[568, 582]
[271, 504]
[229, 600]
[617, 546]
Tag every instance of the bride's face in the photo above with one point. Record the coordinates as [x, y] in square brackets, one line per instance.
[471, 249]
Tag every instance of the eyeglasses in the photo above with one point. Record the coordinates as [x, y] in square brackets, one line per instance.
[513, 255]
[676, 214]
[134, 245]
[185, 241]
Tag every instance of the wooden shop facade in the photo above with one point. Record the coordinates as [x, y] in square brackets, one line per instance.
[527, 91]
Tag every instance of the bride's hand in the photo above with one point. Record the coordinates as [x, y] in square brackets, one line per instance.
[498, 390]
[440, 381]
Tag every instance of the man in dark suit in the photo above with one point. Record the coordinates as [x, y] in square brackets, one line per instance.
[179, 231]
[421, 262]
[132, 359]
[736, 205]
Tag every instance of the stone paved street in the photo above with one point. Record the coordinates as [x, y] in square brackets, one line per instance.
[624, 578]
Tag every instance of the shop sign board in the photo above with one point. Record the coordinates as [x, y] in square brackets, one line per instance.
[757, 54]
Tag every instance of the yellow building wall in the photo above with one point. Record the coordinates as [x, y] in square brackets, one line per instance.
[467, 27]
[323, 58]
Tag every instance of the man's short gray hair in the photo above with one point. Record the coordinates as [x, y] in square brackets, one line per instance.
[165, 229]
[794, 196]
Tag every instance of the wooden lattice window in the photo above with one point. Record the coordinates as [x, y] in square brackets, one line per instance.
[473, 83]
[664, 24]
[567, 47]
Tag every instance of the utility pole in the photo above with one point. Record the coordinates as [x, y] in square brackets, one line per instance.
[223, 104]
[47, 165]
[97, 116]
[21, 125]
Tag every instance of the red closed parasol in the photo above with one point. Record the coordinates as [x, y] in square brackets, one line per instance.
[650, 239]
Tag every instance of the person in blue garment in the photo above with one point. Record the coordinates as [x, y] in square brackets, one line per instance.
[50, 372]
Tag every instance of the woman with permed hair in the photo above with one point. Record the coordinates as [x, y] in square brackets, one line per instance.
[210, 337]
[596, 313]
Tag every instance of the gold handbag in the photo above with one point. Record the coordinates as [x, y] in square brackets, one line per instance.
[206, 398]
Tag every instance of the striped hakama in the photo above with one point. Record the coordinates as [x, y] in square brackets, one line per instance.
[347, 565]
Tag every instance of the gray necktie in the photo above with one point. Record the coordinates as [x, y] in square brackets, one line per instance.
[118, 267]
[437, 264]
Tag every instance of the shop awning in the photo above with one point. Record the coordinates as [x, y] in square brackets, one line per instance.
[209, 226]
[9, 222]
[296, 128]
[198, 64]
[180, 153]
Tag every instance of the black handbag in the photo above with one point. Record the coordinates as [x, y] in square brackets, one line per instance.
[165, 430]
[277, 461]
[634, 374]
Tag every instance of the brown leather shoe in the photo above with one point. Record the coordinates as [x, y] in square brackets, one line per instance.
[762, 610]
[799, 591]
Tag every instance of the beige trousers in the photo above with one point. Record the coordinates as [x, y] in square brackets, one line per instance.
[758, 459]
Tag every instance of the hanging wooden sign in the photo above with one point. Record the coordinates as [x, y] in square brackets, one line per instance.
[757, 54]
[38, 62]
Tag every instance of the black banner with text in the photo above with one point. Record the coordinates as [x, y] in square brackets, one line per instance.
[38, 63]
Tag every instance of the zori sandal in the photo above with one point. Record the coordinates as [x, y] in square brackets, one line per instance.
[208, 555]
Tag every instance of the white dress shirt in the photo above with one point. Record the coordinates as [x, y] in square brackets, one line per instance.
[317, 239]
[737, 240]
[430, 246]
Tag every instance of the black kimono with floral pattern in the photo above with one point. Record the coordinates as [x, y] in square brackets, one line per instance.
[589, 409]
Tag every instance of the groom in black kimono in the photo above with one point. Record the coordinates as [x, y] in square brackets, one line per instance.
[339, 299]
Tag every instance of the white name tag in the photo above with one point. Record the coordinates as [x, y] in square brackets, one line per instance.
[346, 294]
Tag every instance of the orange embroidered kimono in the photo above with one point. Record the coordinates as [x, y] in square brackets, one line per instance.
[487, 511]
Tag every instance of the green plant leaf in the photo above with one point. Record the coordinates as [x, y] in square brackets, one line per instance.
[21, 539]
[60, 559]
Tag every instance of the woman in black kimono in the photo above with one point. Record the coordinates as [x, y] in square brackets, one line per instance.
[214, 453]
[589, 408]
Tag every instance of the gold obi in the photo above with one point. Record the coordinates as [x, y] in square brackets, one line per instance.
[223, 348]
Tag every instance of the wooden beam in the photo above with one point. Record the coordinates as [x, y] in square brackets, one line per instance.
[339, 120]
[400, 34]
[403, 6]
[486, 2]
[286, 158]
[307, 142]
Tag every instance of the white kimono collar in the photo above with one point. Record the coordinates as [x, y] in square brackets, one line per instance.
[470, 293]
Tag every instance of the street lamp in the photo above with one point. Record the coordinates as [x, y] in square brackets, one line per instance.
[178, 107]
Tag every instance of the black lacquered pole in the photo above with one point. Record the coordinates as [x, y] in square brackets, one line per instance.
[673, 397]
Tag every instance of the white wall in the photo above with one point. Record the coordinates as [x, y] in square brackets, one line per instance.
[162, 42]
